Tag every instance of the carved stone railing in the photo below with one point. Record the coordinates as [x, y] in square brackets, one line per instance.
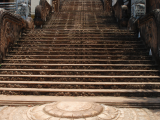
[149, 27]
[11, 26]
[42, 12]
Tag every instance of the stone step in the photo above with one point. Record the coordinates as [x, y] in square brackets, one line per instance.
[78, 72]
[89, 92]
[78, 61]
[107, 57]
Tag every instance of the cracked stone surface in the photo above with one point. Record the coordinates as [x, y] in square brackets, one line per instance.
[77, 111]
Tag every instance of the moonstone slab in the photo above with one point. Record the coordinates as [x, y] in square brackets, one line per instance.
[73, 109]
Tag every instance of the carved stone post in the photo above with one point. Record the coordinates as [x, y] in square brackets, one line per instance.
[42, 11]
[138, 8]
[107, 5]
[56, 4]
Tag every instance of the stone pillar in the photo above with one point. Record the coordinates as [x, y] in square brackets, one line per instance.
[34, 3]
[56, 4]
[138, 8]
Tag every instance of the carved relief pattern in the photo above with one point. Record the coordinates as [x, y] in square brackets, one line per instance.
[10, 27]
[8, 31]
[149, 26]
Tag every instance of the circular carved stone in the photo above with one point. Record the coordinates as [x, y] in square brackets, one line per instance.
[74, 106]
[73, 109]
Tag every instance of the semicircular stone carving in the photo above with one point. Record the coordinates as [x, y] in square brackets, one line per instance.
[73, 110]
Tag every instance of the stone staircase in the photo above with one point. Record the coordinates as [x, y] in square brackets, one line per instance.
[80, 51]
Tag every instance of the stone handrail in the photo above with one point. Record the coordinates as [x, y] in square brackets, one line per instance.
[41, 12]
[11, 26]
[149, 27]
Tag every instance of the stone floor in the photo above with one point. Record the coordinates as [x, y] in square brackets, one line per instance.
[76, 111]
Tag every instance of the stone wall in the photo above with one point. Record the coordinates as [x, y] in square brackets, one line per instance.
[152, 4]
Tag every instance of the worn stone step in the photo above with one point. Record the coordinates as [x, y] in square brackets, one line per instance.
[78, 72]
[80, 66]
[78, 53]
[78, 61]
[62, 92]
[77, 76]
[78, 85]
[81, 41]
[107, 57]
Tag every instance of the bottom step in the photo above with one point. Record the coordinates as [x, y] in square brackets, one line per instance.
[134, 102]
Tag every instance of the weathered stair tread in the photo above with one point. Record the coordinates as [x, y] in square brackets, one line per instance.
[74, 60]
[25, 64]
[65, 40]
[80, 83]
[126, 45]
[85, 55]
[77, 76]
[82, 37]
[95, 70]
[63, 33]
[137, 102]
[84, 90]
[51, 30]
[72, 29]
[79, 48]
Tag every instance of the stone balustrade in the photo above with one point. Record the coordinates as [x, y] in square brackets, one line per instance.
[149, 28]
[11, 26]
